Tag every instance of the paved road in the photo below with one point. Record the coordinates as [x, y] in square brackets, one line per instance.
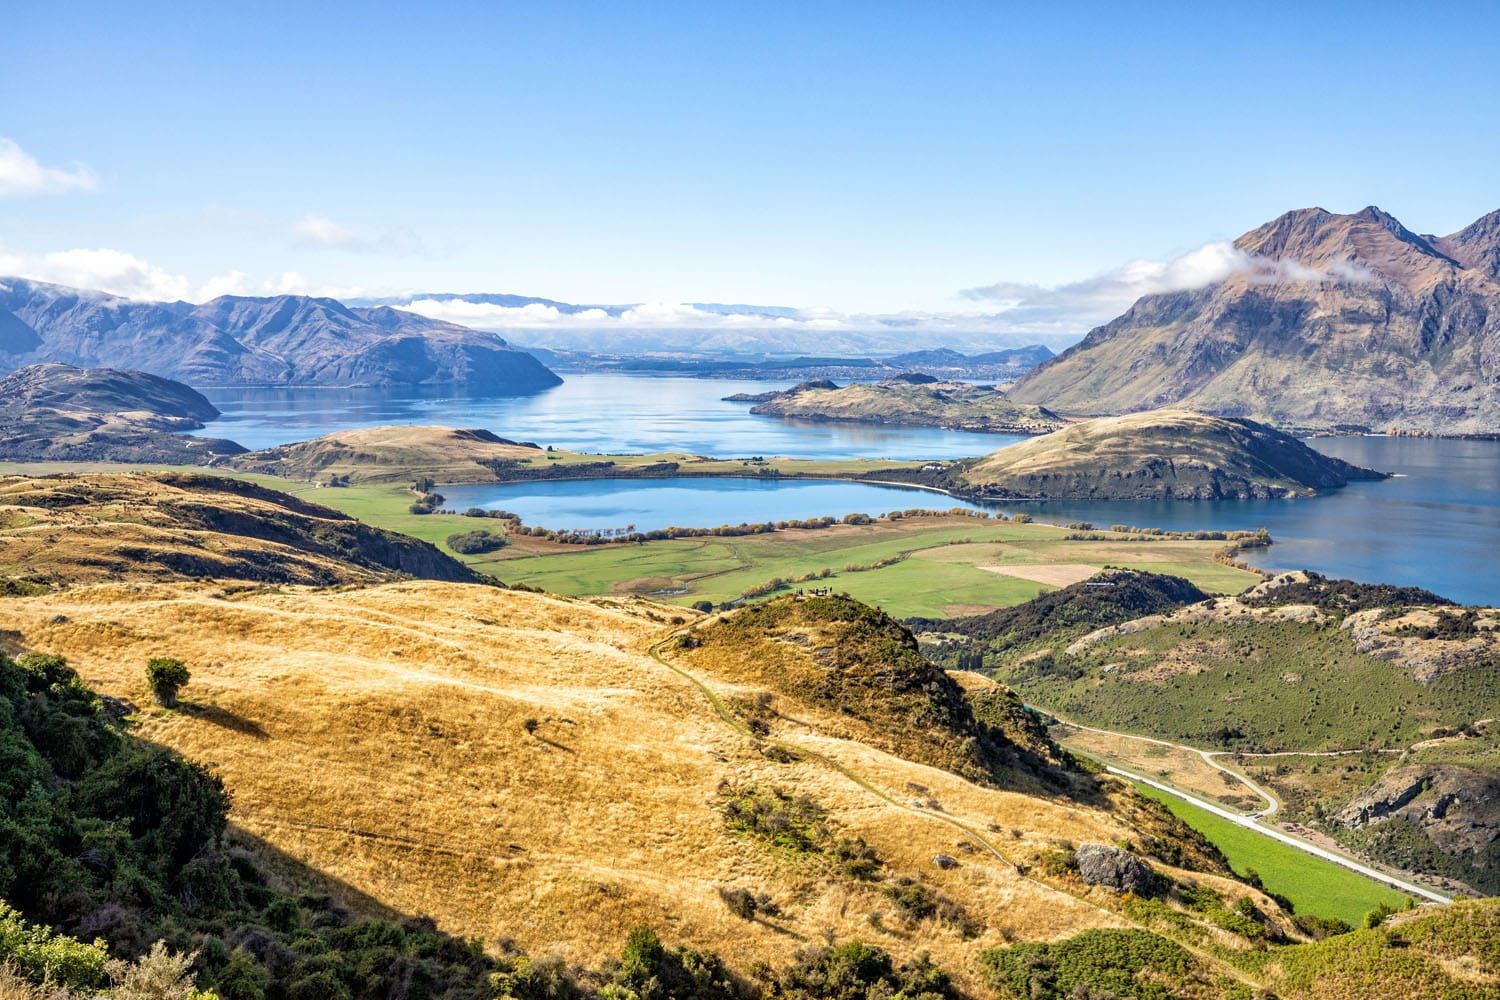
[1290, 840]
[1251, 821]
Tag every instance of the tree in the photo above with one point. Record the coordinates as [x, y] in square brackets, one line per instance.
[166, 676]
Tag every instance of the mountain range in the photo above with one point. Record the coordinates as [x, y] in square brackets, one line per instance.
[237, 340]
[1330, 321]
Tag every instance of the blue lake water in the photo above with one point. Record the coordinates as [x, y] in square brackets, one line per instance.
[596, 413]
[1436, 526]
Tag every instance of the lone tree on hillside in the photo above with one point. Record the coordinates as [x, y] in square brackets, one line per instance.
[166, 676]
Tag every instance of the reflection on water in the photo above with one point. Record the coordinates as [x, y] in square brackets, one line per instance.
[1436, 526]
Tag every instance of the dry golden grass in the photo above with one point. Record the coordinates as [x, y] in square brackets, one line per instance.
[1183, 768]
[74, 528]
[390, 454]
[380, 736]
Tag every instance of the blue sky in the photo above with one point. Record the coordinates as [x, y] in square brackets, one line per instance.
[866, 158]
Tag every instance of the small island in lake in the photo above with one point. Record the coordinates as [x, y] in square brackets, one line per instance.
[911, 400]
[1158, 455]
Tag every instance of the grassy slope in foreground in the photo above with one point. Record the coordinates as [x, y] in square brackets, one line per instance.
[1160, 454]
[477, 754]
[1312, 884]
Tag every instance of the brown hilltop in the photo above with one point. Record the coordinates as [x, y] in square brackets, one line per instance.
[397, 453]
[165, 526]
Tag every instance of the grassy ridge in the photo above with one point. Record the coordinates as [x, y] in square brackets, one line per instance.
[1313, 885]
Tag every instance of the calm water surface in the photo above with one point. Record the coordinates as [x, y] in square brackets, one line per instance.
[597, 413]
[1436, 526]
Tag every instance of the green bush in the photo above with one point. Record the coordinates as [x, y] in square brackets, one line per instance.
[857, 971]
[649, 970]
[167, 676]
[41, 955]
[1132, 964]
[472, 543]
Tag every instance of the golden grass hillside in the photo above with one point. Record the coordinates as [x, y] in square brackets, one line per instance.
[391, 454]
[525, 766]
[70, 528]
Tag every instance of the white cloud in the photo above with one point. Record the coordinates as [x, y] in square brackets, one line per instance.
[319, 231]
[1080, 305]
[21, 175]
[643, 316]
[116, 272]
[101, 269]
[1086, 303]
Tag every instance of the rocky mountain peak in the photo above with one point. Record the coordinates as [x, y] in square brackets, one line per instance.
[1346, 321]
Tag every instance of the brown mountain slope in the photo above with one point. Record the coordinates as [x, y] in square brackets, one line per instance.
[68, 529]
[523, 766]
[54, 412]
[1332, 321]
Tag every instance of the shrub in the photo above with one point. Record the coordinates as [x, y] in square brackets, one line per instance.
[469, 543]
[649, 970]
[916, 902]
[167, 676]
[40, 955]
[857, 971]
[157, 975]
[741, 902]
[1126, 963]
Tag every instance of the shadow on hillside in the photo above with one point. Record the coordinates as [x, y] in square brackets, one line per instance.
[225, 718]
[295, 877]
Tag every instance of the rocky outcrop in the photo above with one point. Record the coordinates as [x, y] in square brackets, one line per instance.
[1113, 868]
[1331, 321]
[1458, 808]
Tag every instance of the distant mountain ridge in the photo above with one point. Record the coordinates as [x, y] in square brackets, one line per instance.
[1334, 321]
[237, 340]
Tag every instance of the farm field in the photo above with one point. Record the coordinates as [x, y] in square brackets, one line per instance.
[1313, 885]
[946, 565]
[940, 566]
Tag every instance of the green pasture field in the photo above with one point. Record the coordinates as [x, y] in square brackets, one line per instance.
[1314, 885]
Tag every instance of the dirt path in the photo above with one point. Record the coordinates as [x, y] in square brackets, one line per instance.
[1207, 756]
[982, 842]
